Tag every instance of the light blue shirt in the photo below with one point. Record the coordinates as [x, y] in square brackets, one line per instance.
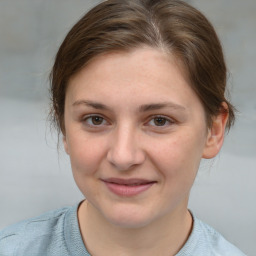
[57, 233]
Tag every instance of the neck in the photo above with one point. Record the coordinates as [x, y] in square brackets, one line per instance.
[166, 236]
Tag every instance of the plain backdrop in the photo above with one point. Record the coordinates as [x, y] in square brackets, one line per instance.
[35, 177]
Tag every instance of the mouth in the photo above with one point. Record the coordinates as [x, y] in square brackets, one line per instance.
[128, 187]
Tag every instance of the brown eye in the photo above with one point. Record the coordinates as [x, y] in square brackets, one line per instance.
[97, 120]
[93, 121]
[159, 121]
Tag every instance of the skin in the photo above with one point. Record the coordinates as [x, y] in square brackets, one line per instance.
[149, 125]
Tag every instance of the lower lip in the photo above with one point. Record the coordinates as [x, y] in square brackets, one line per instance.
[125, 190]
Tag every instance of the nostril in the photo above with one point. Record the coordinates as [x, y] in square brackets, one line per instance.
[124, 161]
[124, 151]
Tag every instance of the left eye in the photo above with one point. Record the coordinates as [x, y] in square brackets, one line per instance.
[159, 121]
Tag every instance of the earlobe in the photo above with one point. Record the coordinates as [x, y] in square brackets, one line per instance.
[216, 134]
[64, 139]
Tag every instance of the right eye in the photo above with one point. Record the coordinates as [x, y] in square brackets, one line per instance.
[94, 121]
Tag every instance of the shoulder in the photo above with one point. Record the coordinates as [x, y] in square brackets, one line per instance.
[206, 241]
[31, 233]
[218, 244]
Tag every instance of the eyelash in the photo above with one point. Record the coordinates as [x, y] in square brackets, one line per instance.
[91, 125]
[166, 119]
[86, 118]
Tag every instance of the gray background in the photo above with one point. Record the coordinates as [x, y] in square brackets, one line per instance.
[35, 178]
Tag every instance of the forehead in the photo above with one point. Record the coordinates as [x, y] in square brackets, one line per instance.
[143, 74]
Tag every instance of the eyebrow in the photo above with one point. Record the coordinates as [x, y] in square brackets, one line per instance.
[157, 106]
[92, 104]
[142, 108]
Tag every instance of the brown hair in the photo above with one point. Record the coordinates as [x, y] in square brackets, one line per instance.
[122, 25]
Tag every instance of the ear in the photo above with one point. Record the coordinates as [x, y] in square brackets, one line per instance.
[216, 133]
[64, 139]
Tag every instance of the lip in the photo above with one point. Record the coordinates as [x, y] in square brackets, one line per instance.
[128, 187]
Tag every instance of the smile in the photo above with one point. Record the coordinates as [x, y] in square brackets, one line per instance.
[127, 187]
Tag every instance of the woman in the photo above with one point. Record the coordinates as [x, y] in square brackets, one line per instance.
[137, 92]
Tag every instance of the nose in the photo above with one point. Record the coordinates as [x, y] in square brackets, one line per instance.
[125, 152]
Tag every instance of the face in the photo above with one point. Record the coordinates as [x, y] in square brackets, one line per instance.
[135, 132]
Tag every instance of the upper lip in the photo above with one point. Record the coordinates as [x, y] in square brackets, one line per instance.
[128, 181]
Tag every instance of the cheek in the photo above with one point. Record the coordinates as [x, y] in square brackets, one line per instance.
[85, 155]
[178, 156]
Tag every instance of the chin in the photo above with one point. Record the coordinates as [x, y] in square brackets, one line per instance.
[129, 222]
[129, 217]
